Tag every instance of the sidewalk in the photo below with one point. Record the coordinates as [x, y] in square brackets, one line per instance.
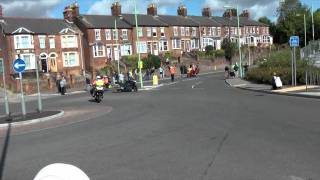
[299, 91]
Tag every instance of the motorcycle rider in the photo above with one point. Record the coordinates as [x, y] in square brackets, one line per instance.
[97, 82]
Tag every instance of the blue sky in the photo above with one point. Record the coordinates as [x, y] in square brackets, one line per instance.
[54, 8]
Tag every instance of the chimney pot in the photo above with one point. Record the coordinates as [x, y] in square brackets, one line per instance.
[245, 13]
[182, 11]
[116, 9]
[152, 10]
[68, 14]
[206, 12]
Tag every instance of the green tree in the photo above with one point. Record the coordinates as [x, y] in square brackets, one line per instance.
[151, 61]
[290, 20]
[229, 49]
[209, 50]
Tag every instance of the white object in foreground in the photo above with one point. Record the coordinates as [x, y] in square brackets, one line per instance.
[60, 171]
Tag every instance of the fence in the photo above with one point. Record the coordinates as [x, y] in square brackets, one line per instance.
[311, 53]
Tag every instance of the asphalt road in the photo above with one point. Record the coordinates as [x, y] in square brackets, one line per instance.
[199, 129]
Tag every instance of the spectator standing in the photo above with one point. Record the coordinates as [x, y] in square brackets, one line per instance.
[172, 72]
[63, 83]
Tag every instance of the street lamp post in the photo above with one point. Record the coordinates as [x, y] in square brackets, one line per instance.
[312, 22]
[137, 43]
[117, 34]
[38, 85]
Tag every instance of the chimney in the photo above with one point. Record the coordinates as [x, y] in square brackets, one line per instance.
[152, 10]
[68, 14]
[245, 13]
[116, 9]
[206, 12]
[230, 13]
[1, 14]
[75, 10]
[182, 11]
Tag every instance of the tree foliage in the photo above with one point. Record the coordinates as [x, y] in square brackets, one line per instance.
[229, 49]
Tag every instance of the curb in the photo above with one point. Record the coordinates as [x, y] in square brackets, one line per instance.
[33, 121]
[276, 93]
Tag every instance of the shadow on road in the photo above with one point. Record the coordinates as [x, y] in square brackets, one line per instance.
[5, 149]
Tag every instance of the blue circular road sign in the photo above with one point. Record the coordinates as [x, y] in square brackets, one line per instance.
[19, 65]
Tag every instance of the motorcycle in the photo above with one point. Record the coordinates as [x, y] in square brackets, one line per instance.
[127, 86]
[98, 94]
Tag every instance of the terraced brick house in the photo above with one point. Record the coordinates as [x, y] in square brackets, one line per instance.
[54, 43]
[210, 30]
[183, 32]
[153, 34]
[106, 38]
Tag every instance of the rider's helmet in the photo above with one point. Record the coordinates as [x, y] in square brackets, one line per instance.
[98, 77]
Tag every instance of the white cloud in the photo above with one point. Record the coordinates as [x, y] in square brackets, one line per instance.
[257, 8]
[32, 8]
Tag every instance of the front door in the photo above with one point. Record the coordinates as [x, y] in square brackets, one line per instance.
[116, 53]
[188, 46]
[44, 63]
[155, 48]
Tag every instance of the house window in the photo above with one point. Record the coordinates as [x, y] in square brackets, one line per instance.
[142, 47]
[267, 30]
[154, 32]
[98, 50]
[30, 60]
[23, 41]
[214, 33]
[126, 50]
[204, 31]
[140, 32]
[187, 31]
[194, 32]
[194, 44]
[176, 44]
[207, 42]
[70, 59]
[162, 32]
[183, 33]
[163, 46]
[232, 31]
[125, 34]
[219, 31]
[149, 31]
[42, 42]
[52, 43]
[97, 34]
[115, 34]
[69, 41]
[210, 31]
[254, 30]
[175, 31]
[108, 34]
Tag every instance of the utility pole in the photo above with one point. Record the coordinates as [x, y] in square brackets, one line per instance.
[38, 85]
[117, 35]
[312, 22]
[239, 43]
[305, 30]
[138, 43]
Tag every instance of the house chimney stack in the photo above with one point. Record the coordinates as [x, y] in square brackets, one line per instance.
[75, 10]
[182, 11]
[152, 10]
[206, 12]
[68, 14]
[230, 13]
[245, 13]
[116, 9]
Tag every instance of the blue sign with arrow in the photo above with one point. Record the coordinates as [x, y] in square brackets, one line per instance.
[19, 65]
[294, 41]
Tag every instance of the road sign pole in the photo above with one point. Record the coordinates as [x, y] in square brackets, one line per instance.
[295, 66]
[38, 86]
[292, 69]
[23, 105]
[6, 102]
